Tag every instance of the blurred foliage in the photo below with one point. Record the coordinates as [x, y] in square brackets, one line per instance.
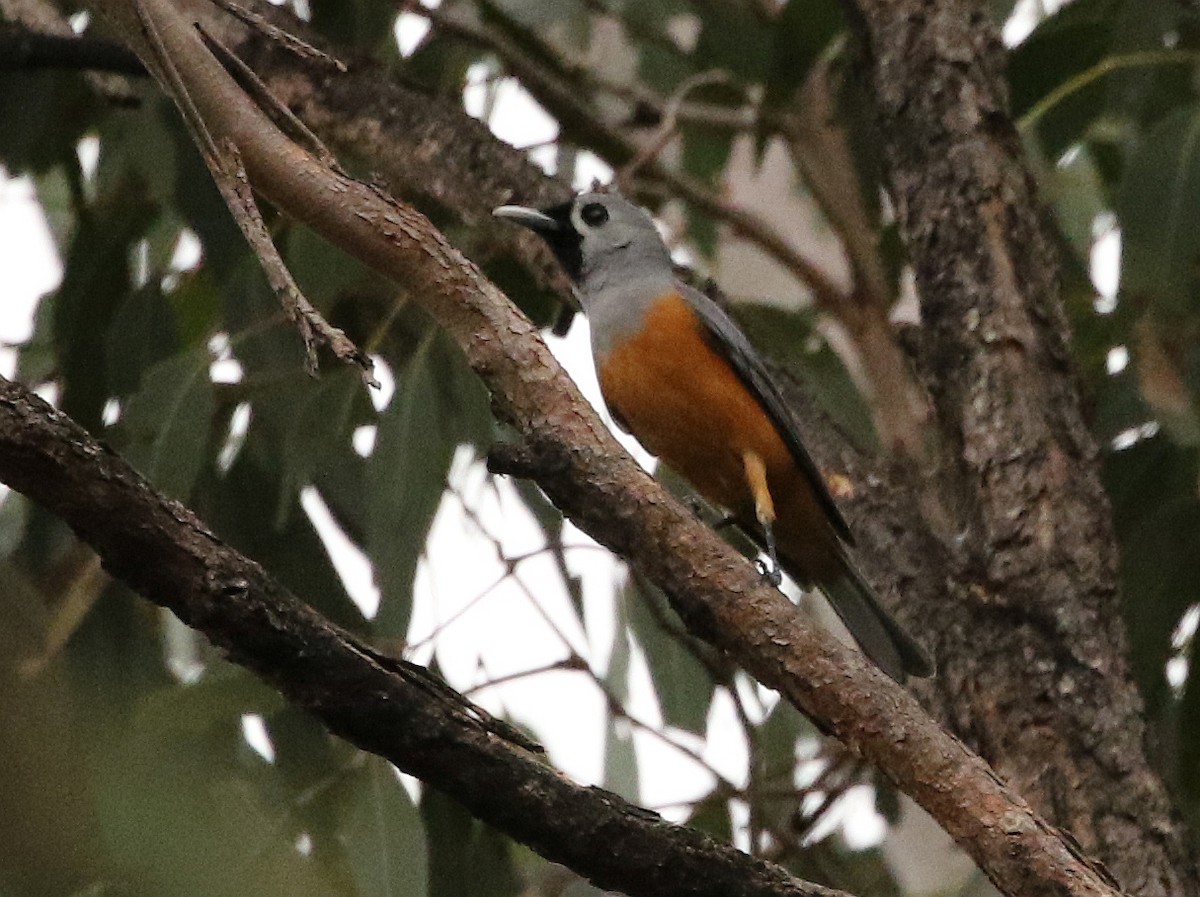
[127, 764]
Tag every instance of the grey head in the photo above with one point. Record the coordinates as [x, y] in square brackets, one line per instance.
[607, 245]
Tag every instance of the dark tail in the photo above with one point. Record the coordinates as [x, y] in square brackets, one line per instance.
[878, 634]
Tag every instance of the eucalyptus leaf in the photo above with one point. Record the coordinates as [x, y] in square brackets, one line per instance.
[1159, 206]
[683, 685]
[383, 833]
[438, 405]
[165, 427]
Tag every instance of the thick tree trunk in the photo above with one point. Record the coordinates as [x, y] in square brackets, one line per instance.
[1033, 670]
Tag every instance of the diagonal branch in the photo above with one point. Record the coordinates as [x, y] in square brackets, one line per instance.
[162, 550]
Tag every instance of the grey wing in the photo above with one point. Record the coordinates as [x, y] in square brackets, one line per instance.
[728, 339]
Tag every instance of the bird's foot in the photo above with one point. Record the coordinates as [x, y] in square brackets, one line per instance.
[769, 570]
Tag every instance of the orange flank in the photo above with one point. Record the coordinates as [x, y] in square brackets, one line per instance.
[687, 405]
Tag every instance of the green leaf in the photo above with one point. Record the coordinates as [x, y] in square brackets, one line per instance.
[181, 805]
[465, 855]
[732, 38]
[361, 25]
[1062, 48]
[438, 405]
[225, 693]
[165, 427]
[1152, 485]
[182, 815]
[35, 139]
[1160, 78]
[144, 332]
[241, 506]
[144, 146]
[773, 764]
[1078, 195]
[712, 817]
[831, 863]
[620, 759]
[97, 278]
[1159, 205]
[706, 150]
[801, 33]
[48, 837]
[775, 742]
[262, 339]
[322, 421]
[14, 510]
[683, 685]
[383, 833]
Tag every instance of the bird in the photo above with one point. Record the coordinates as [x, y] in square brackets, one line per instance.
[678, 373]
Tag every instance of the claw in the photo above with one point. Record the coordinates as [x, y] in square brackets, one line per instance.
[770, 572]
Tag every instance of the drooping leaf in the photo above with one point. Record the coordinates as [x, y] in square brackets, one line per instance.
[324, 417]
[1061, 48]
[683, 685]
[383, 833]
[242, 505]
[144, 333]
[438, 405]
[465, 855]
[31, 140]
[620, 759]
[14, 510]
[97, 279]
[712, 817]
[362, 25]
[831, 860]
[801, 32]
[1159, 205]
[733, 38]
[165, 428]
[185, 814]
[1157, 514]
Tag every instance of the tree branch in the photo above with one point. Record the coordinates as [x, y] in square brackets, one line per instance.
[399, 711]
[716, 591]
[21, 48]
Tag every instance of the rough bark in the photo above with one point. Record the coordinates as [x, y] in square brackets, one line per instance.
[399, 711]
[1034, 671]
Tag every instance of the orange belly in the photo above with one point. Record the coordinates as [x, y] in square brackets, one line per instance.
[686, 405]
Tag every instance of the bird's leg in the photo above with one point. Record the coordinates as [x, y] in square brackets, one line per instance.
[764, 511]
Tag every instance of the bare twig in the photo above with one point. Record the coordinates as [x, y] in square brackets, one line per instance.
[224, 161]
[280, 114]
[284, 38]
[669, 124]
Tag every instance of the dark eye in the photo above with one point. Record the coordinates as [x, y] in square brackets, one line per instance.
[593, 214]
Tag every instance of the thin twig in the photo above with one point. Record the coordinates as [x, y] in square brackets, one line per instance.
[285, 38]
[670, 121]
[281, 115]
